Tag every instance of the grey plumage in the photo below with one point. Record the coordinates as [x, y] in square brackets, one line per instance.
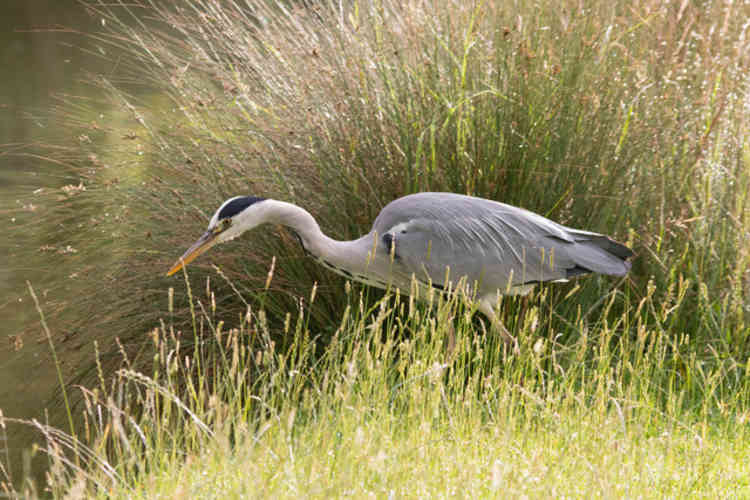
[497, 245]
[438, 240]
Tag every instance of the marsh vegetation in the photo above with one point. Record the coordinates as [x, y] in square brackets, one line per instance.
[261, 374]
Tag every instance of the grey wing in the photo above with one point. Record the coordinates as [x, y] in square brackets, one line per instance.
[475, 249]
[495, 245]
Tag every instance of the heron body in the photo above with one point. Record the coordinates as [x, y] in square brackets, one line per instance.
[437, 240]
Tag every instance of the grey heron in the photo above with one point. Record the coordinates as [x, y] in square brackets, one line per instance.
[437, 240]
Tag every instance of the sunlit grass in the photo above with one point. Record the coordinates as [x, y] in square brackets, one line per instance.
[596, 456]
[399, 406]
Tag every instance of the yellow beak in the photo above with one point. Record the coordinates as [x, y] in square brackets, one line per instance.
[204, 243]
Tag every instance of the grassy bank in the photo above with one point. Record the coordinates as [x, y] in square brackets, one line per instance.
[628, 119]
[398, 406]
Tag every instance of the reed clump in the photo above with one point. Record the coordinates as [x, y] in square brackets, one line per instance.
[630, 120]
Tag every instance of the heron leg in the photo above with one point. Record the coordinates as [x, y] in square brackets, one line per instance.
[487, 308]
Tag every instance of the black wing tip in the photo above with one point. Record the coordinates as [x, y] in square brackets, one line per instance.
[605, 243]
[622, 252]
[237, 205]
[618, 249]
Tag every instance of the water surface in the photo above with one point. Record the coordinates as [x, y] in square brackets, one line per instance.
[41, 62]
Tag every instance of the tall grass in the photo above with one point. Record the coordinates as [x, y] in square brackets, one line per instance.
[625, 118]
[399, 405]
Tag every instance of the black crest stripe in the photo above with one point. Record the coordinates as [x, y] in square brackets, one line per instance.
[238, 205]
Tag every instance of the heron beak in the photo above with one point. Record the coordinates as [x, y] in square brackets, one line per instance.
[204, 243]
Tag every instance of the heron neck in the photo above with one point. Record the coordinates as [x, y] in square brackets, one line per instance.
[306, 227]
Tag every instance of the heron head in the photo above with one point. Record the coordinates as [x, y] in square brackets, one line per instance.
[234, 217]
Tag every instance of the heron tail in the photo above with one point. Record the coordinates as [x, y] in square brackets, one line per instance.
[596, 253]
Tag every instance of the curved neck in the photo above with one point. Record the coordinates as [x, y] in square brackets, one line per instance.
[351, 259]
[301, 222]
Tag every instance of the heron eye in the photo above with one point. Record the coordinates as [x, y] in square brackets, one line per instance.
[222, 226]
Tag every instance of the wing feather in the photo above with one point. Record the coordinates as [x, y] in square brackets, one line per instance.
[493, 244]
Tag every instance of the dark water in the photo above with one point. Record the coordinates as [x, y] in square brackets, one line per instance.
[41, 59]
